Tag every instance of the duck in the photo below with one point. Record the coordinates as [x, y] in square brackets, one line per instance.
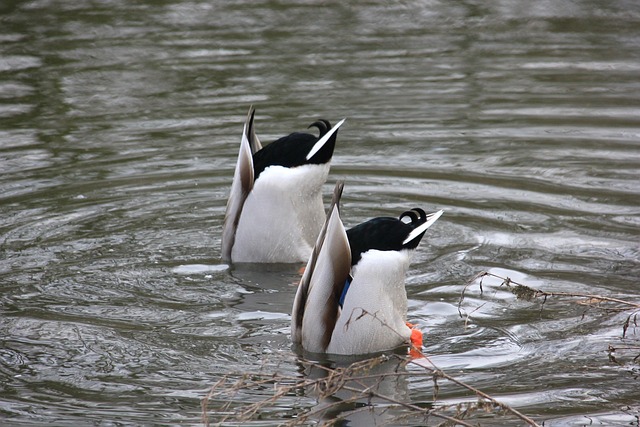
[275, 210]
[351, 299]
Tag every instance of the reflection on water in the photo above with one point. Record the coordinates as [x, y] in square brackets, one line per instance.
[119, 127]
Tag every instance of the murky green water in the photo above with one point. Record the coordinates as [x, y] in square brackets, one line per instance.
[119, 127]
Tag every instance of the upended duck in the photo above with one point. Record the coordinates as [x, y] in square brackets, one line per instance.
[275, 209]
[351, 298]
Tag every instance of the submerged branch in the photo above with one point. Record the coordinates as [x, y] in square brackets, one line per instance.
[437, 372]
[589, 300]
[352, 379]
[526, 292]
[339, 379]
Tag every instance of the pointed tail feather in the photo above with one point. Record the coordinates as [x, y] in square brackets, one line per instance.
[254, 142]
[241, 186]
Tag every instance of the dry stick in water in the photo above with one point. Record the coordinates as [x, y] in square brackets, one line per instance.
[592, 300]
[439, 373]
[369, 391]
[526, 291]
[336, 380]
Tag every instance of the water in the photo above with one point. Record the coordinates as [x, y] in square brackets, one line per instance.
[119, 127]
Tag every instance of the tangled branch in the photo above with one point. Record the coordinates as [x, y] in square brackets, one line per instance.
[355, 379]
[529, 293]
[601, 302]
[364, 385]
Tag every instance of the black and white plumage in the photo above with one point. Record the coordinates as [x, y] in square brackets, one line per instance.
[275, 210]
[351, 298]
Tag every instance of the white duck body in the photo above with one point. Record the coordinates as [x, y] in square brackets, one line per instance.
[375, 307]
[370, 315]
[282, 215]
[275, 209]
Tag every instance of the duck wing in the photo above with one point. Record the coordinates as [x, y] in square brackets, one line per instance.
[243, 179]
[316, 306]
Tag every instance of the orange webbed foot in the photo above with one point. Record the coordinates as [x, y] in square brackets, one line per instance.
[416, 340]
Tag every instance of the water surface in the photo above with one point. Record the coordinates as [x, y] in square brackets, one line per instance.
[119, 129]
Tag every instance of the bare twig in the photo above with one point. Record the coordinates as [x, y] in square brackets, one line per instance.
[469, 283]
[441, 374]
[351, 378]
[410, 406]
[527, 292]
[336, 380]
[359, 379]
[611, 352]
[629, 322]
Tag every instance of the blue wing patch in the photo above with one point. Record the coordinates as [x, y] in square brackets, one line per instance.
[347, 283]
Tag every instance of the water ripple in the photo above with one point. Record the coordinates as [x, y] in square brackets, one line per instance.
[121, 125]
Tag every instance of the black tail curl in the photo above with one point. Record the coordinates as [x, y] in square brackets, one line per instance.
[417, 216]
[323, 126]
